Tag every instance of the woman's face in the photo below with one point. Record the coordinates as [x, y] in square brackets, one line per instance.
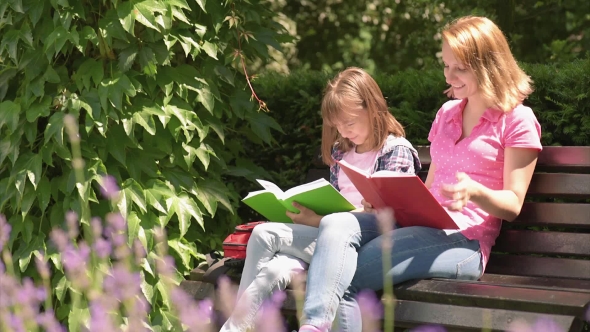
[460, 77]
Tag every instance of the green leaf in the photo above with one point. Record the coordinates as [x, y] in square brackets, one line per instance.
[10, 42]
[26, 203]
[144, 13]
[147, 290]
[55, 128]
[25, 251]
[9, 115]
[182, 251]
[55, 41]
[206, 98]
[134, 191]
[79, 315]
[147, 61]
[51, 75]
[117, 142]
[62, 288]
[43, 193]
[133, 226]
[210, 192]
[204, 153]
[210, 49]
[179, 4]
[89, 69]
[201, 4]
[126, 16]
[39, 109]
[35, 11]
[33, 169]
[261, 125]
[145, 120]
[178, 178]
[184, 207]
[127, 57]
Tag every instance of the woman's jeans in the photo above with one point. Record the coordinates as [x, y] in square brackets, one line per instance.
[337, 272]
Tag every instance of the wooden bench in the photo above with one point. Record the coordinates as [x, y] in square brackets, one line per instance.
[539, 267]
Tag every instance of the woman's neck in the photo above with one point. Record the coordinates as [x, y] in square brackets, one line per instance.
[476, 105]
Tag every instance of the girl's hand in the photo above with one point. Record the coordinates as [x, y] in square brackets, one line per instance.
[459, 193]
[305, 216]
[367, 206]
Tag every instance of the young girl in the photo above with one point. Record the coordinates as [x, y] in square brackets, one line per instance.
[358, 128]
[484, 148]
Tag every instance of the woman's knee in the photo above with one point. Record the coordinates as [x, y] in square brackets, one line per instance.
[337, 222]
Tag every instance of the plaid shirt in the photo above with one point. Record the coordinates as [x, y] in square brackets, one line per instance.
[397, 155]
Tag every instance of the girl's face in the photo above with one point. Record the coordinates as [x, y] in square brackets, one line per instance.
[356, 127]
[458, 75]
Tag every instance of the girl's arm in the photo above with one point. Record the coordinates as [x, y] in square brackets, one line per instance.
[519, 164]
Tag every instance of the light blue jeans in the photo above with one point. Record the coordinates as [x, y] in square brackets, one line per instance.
[348, 258]
[275, 252]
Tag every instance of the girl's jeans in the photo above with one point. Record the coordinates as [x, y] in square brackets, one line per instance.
[337, 272]
[276, 251]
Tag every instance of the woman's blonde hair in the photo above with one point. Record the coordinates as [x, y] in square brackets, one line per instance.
[479, 44]
[351, 90]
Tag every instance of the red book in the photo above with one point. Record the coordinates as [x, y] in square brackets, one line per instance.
[406, 194]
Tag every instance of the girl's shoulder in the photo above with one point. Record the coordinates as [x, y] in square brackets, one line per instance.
[392, 141]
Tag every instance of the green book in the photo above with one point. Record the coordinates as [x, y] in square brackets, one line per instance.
[319, 196]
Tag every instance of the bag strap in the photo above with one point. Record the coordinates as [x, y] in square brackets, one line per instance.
[216, 270]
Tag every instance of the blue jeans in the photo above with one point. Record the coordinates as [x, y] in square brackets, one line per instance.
[337, 272]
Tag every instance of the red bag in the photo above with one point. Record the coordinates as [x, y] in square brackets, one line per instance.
[234, 245]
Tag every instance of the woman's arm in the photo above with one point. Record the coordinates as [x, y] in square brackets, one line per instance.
[430, 176]
[519, 164]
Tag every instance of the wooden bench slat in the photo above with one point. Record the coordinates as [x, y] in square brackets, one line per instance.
[474, 293]
[559, 184]
[411, 314]
[537, 282]
[554, 214]
[539, 266]
[549, 243]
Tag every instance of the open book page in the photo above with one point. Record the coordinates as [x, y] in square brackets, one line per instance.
[386, 174]
[310, 186]
[269, 186]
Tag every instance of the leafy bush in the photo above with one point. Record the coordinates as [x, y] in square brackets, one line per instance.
[561, 103]
[158, 90]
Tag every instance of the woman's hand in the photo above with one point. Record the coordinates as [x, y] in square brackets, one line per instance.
[367, 206]
[459, 193]
[305, 216]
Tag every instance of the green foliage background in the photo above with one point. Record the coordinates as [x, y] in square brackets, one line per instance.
[561, 102]
[392, 35]
[159, 92]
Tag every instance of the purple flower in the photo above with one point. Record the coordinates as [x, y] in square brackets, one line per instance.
[42, 267]
[545, 324]
[117, 222]
[47, 320]
[269, 318]
[60, 239]
[75, 260]
[102, 247]
[195, 317]
[96, 225]
[100, 319]
[4, 231]
[72, 222]
[16, 323]
[122, 283]
[30, 295]
[370, 305]
[108, 187]
[429, 328]
[165, 266]
[138, 251]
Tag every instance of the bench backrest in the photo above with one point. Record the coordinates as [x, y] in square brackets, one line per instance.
[551, 236]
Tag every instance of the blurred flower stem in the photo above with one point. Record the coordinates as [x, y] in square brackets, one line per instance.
[386, 221]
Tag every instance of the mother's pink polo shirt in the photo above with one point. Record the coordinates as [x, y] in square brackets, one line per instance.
[481, 156]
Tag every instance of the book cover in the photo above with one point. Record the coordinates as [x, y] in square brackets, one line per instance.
[319, 196]
[406, 194]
